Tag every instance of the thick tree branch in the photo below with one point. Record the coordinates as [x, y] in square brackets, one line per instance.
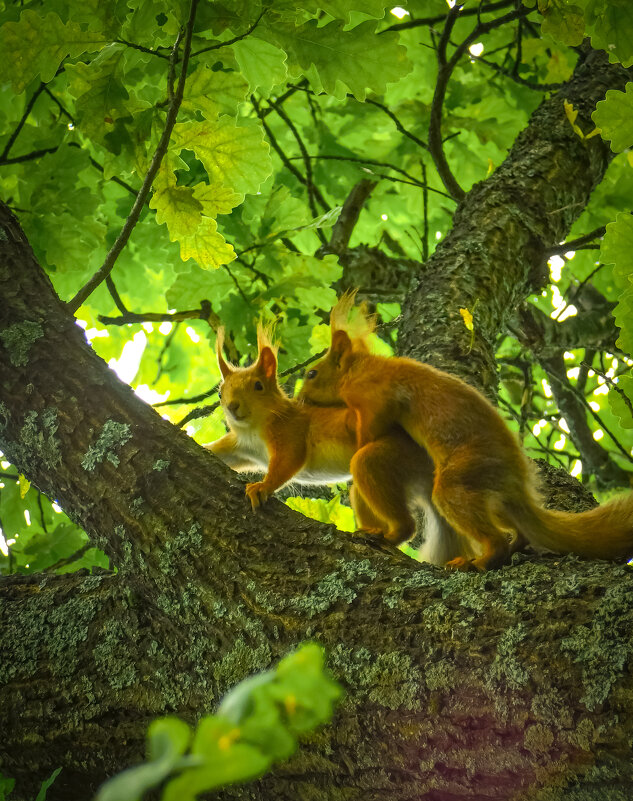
[504, 677]
[495, 254]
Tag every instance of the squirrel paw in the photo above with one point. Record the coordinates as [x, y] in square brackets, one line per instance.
[374, 532]
[257, 493]
[460, 563]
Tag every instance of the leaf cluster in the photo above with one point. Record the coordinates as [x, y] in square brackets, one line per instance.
[257, 724]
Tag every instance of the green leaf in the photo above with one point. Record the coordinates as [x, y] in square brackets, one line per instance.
[358, 60]
[621, 400]
[101, 96]
[564, 22]
[206, 246]
[261, 63]
[233, 155]
[341, 9]
[177, 206]
[6, 787]
[617, 246]
[195, 285]
[39, 45]
[332, 511]
[168, 739]
[610, 24]
[214, 93]
[41, 796]
[225, 761]
[216, 199]
[237, 704]
[614, 117]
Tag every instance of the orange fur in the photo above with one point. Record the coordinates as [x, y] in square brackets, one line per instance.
[315, 445]
[484, 485]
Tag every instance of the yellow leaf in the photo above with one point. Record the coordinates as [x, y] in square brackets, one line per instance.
[491, 166]
[25, 485]
[233, 155]
[467, 318]
[595, 132]
[206, 246]
[176, 206]
[216, 198]
[571, 114]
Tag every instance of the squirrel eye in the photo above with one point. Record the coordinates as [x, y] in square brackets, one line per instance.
[311, 374]
[259, 386]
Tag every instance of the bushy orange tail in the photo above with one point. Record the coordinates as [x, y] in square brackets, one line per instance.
[605, 532]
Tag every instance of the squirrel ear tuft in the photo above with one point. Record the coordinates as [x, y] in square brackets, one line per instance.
[225, 367]
[341, 345]
[267, 362]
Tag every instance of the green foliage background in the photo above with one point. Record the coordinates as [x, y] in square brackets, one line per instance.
[286, 106]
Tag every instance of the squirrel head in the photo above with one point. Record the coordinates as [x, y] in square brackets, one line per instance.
[250, 394]
[350, 326]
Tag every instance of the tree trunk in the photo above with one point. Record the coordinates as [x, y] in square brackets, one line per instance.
[496, 253]
[458, 685]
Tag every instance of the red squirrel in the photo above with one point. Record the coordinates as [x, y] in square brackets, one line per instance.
[484, 485]
[289, 440]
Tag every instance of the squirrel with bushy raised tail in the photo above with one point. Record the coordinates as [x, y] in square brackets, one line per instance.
[483, 485]
[292, 441]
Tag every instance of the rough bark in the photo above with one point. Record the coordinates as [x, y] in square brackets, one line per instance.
[495, 254]
[472, 686]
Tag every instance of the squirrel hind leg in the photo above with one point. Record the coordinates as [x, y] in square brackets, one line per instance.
[380, 489]
[474, 514]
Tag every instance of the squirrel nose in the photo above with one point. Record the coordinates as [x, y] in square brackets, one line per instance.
[233, 407]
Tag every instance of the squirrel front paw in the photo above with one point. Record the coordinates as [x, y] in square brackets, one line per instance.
[257, 493]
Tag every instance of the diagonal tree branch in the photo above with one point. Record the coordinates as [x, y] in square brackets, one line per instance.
[502, 230]
[154, 166]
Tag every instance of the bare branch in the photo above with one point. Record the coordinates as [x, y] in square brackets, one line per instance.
[203, 313]
[342, 230]
[219, 45]
[20, 125]
[445, 70]
[467, 12]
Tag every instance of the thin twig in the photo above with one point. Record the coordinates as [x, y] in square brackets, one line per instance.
[135, 213]
[579, 243]
[20, 125]
[425, 211]
[128, 317]
[445, 70]
[69, 559]
[612, 384]
[344, 226]
[413, 181]
[276, 146]
[537, 87]
[188, 400]
[115, 295]
[397, 123]
[34, 154]
[313, 191]
[467, 12]
[142, 48]
[229, 42]
[196, 414]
